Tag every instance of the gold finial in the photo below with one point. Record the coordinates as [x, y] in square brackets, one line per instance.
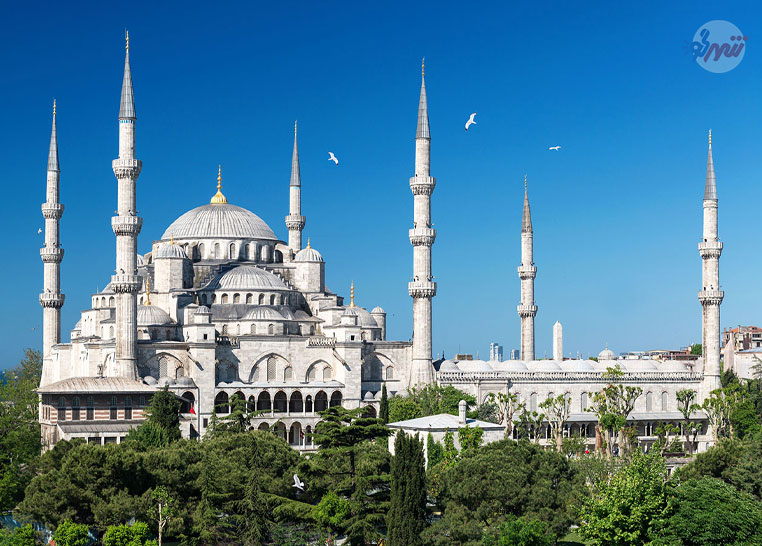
[308, 243]
[218, 198]
[54, 107]
[127, 39]
[148, 291]
[710, 137]
[352, 294]
[171, 238]
[423, 67]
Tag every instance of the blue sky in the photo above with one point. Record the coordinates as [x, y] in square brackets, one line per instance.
[617, 211]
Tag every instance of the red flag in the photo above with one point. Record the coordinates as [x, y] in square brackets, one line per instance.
[192, 410]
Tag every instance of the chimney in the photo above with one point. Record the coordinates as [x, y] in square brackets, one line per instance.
[462, 406]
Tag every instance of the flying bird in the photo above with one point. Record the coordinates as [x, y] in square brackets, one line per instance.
[39, 230]
[298, 484]
[556, 148]
[470, 121]
[333, 158]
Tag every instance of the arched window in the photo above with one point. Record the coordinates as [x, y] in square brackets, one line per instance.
[308, 404]
[288, 374]
[261, 299]
[649, 401]
[252, 251]
[312, 329]
[533, 402]
[312, 374]
[295, 434]
[271, 369]
[221, 403]
[664, 401]
[270, 329]
[370, 411]
[280, 402]
[253, 328]
[224, 298]
[111, 332]
[75, 408]
[583, 401]
[236, 298]
[336, 398]
[282, 299]
[327, 373]
[550, 395]
[389, 373]
[295, 404]
[179, 372]
[214, 298]
[263, 427]
[217, 251]
[187, 402]
[201, 254]
[263, 402]
[321, 401]
[233, 255]
[224, 326]
[111, 302]
[272, 299]
[249, 298]
[251, 405]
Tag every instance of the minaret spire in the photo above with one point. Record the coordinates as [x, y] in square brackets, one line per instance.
[710, 295]
[126, 225]
[527, 272]
[51, 253]
[295, 221]
[423, 288]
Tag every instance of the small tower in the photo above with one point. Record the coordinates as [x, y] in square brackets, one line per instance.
[527, 272]
[558, 341]
[422, 288]
[710, 295]
[51, 253]
[126, 225]
[295, 221]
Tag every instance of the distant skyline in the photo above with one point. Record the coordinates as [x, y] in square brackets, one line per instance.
[616, 211]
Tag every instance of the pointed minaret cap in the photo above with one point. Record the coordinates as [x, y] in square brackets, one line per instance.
[53, 154]
[526, 220]
[127, 105]
[296, 177]
[218, 198]
[710, 190]
[423, 109]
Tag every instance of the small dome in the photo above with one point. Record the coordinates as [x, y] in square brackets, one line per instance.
[672, 366]
[149, 380]
[150, 315]
[378, 310]
[203, 310]
[474, 366]
[262, 313]
[368, 396]
[606, 354]
[639, 365]
[364, 319]
[185, 382]
[247, 277]
[165, 381]
[171, 251]
[577, 366]
[544, 366]
[140, 261]
[308, 254]
[301, 315]
[448, 366]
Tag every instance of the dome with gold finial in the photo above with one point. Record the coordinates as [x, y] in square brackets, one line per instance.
[218, 198]
[308, 254]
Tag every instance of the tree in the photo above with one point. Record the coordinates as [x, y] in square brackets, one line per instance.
[557, 412]
[470, 438]
[612, 405]
[20, 536]
[163, 508]
[19, 429]
[383, 412]
[529, 425]
[686, 405]
[407, 509]
[717, 408]
[164, 411]
[238, 419]
[696, 349]
[709, 512]
[128, 535]
[520, 532]
[434, 399]
[434, 452]
[71, 534]
[624, 506]
[506, 407]
[403, 408]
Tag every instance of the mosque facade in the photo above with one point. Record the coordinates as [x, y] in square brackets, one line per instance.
[221, 306]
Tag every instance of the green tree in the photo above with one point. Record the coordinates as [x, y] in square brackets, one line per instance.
[407, 510]
[507, 404]
[696, 349]
[557, 410]
[612, 405]
[434, 399]
[128, 535]
[709, 512]
[717, 408]
[434, 452]
[19, 429]
[71, 534]
[383, 412]
[164, 411]
[403, 408]
[470, 438]
[20, 536]
[331, 512]
[519, 532]
[625, 506]
[686, 404]
[163, 508]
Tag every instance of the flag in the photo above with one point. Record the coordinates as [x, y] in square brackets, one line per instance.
[193, 411]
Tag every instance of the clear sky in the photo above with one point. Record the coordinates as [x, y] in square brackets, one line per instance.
[616, 211]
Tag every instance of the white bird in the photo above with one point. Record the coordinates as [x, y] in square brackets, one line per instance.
[39, 230]
[470, 121]
[333, 158]
[556, 148]
[298, 484]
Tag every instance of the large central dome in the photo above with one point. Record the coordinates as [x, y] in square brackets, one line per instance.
[219, 220]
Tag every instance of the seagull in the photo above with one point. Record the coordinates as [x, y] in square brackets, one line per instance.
[333, 158]
[39, 230]
[298, 484]
[556, 148]
[470, 121]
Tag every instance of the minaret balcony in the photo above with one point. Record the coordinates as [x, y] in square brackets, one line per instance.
[422, 185]
[52, 254]
[126, 168]
[51, 300]
[422, 289]
[711, 297]
[422, 236]
[52, 211]
[126, 225]
[527, 272]
[126, 284]
[526, 310]
[294, 221]
[710, 249]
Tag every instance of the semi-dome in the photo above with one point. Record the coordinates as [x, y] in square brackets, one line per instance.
[263, 313]
[247, 277]
[170, 251]
[219, 221]
[606, 354]
[363, 317]
[308, 254]
[150, 315]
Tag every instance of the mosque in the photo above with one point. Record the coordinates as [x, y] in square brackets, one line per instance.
[220, 306]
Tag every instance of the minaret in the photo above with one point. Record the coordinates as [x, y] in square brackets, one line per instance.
[51, 298]
[527, 272]
[126, 225]
[422, 289]
[295, 221]
[558, 341]
[710, 296]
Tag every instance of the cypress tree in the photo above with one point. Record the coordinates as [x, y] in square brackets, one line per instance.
[407, 511]
[383, 412]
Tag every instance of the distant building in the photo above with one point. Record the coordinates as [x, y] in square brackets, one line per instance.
[495, 352]
[742, 350]
[744, 337]
[514, 354]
